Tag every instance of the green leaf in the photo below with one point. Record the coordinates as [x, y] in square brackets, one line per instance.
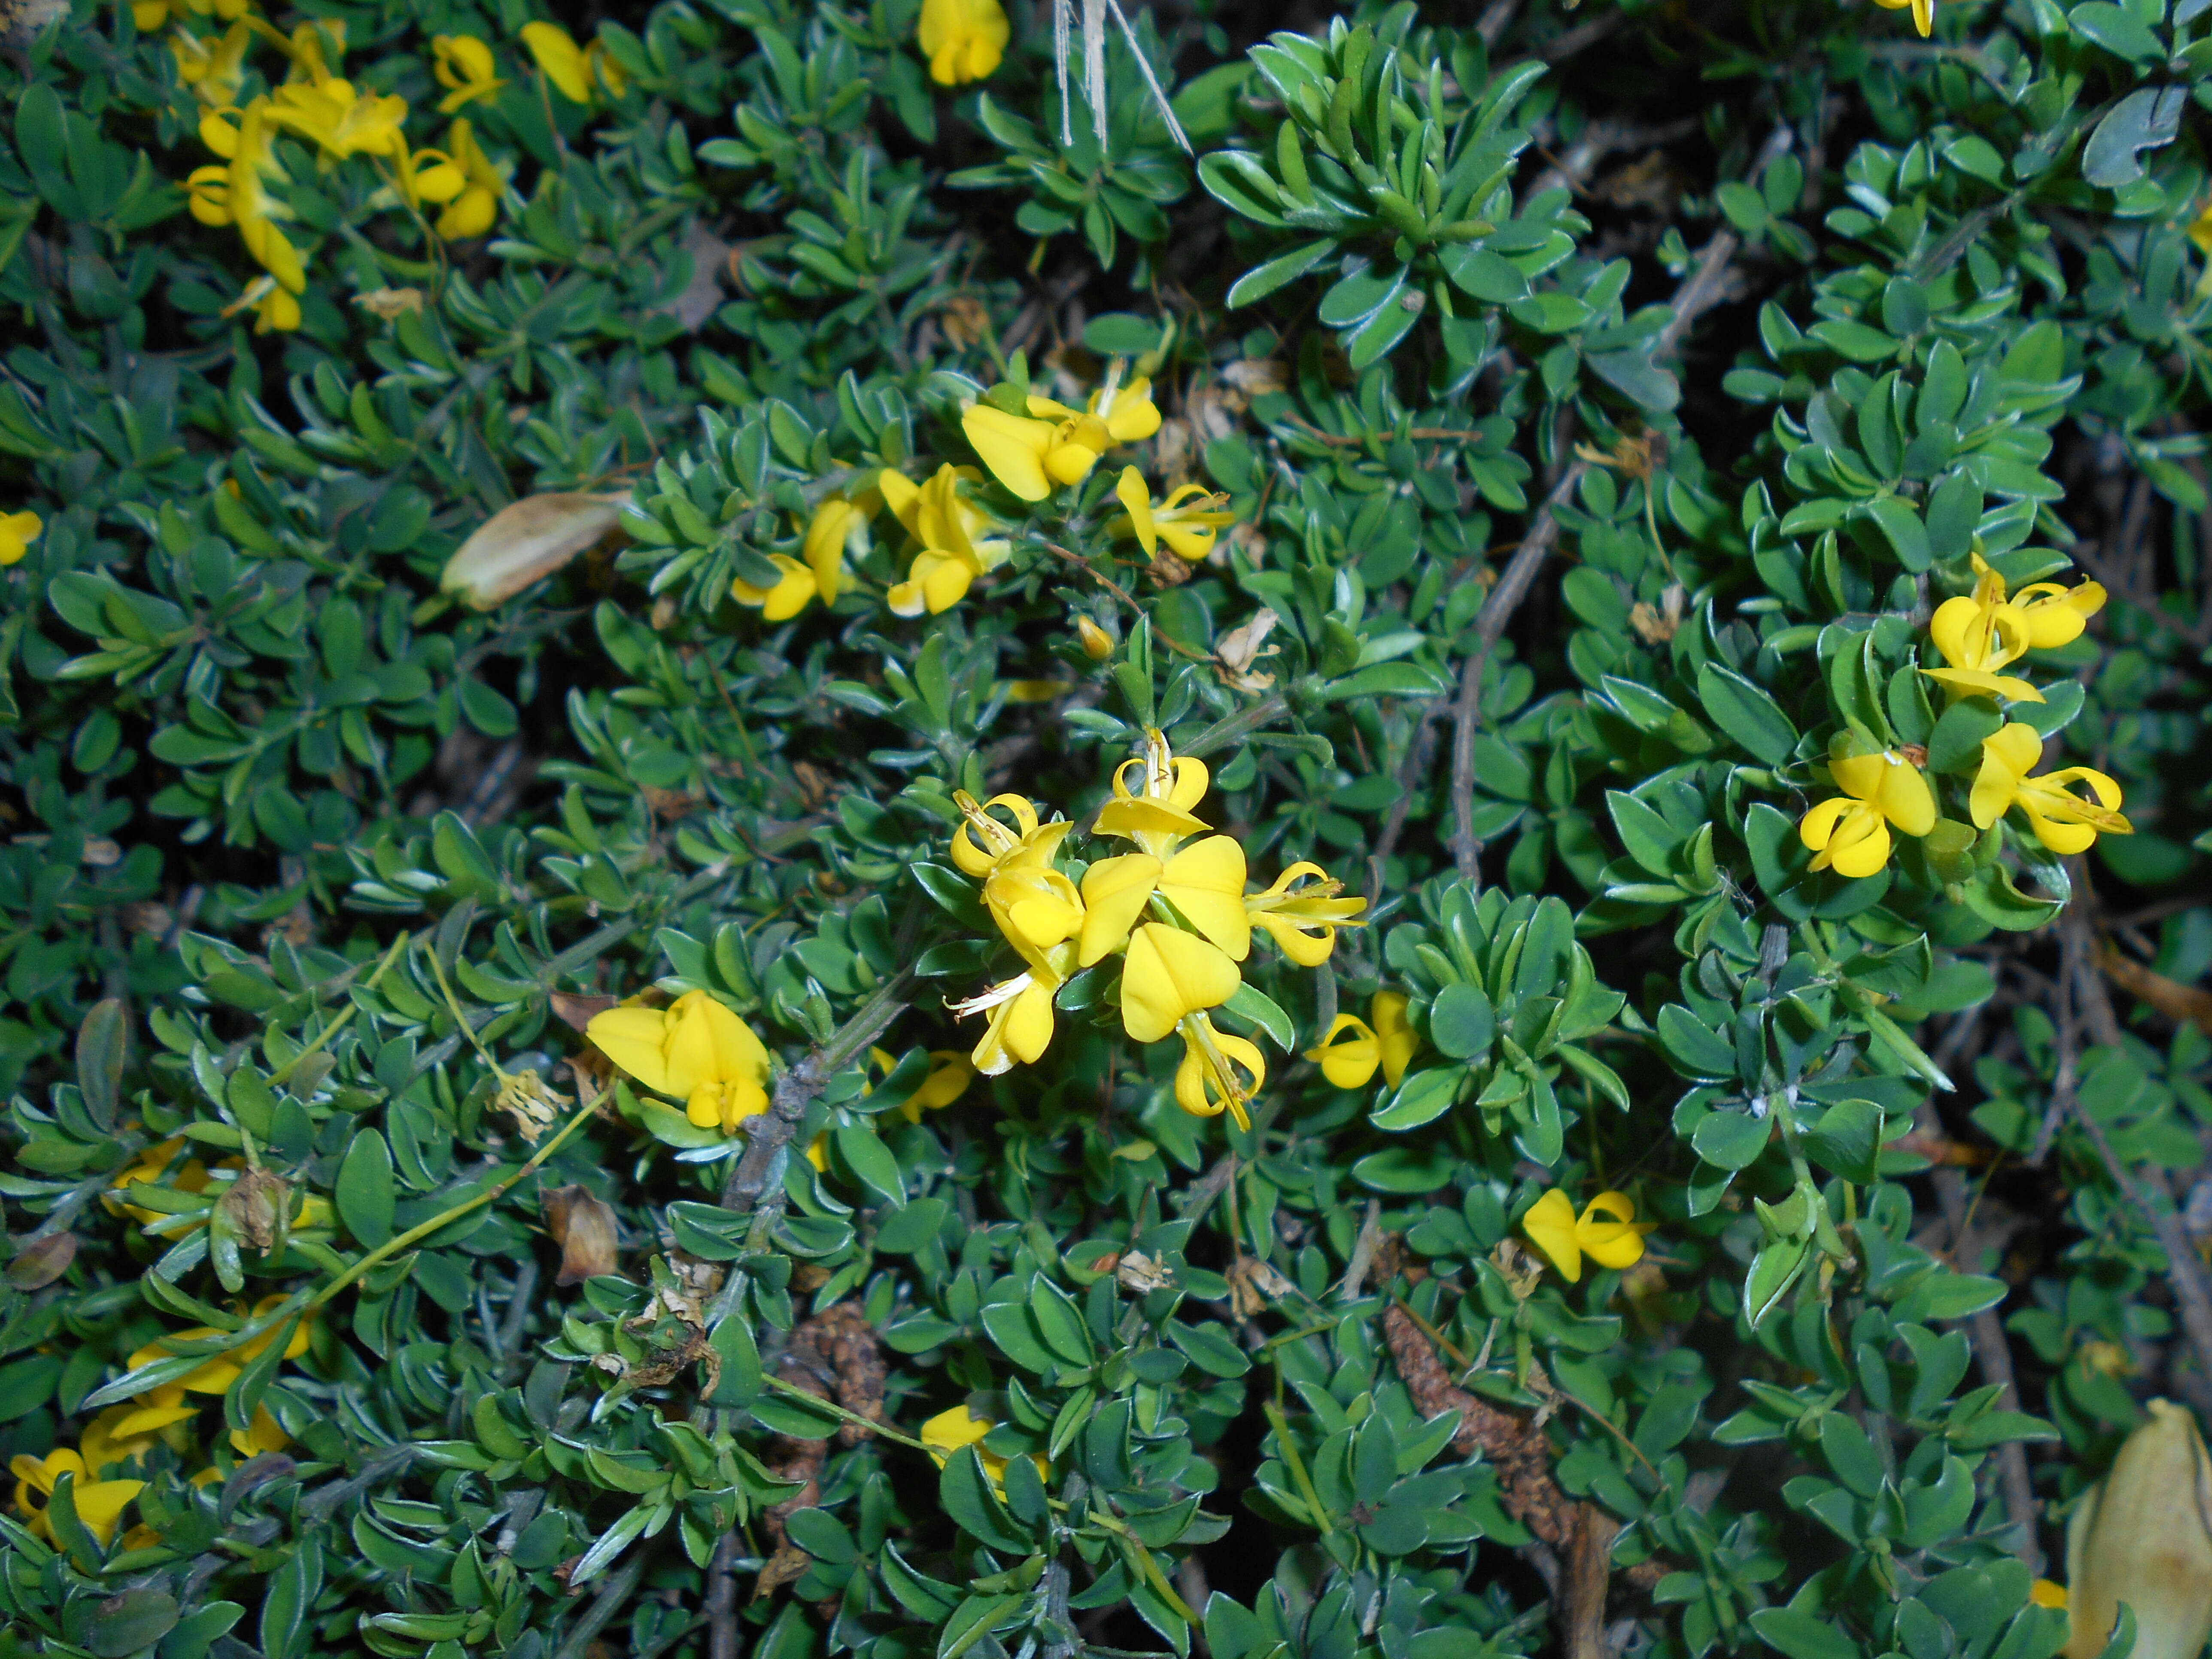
[1746, 714]
[964, 1492]
[364, 1192]
[1257, 283]
[1846, 1140]
[1461, 1024]
[1251, 1004]
[2147, 118]
[1420, 1098]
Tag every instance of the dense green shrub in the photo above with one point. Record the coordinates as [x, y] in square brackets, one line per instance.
[1318, 835]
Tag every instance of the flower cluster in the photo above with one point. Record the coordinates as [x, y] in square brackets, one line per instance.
[460, 183]
[1977, 635]
[1175, 913]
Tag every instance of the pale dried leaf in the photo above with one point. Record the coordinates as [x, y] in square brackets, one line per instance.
[526, 541]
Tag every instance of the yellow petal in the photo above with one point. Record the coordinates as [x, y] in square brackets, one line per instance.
[634, 1038]
[1350, 1064]
[1137, 497]
[1206, 882]
[1861, 849]
[1115, 893]
[1168, 973]
[1608, 1231]
[1013, 447]
[1550, 1225]
[1400, 1042]
[1975, 682]
[1818, 827]
[1906, 800]
[787, 599]
[1859, 776]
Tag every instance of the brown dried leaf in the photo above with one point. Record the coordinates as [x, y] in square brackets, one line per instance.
[41, 1261]
[576, 1012]
[527, 541]
[583, 1224]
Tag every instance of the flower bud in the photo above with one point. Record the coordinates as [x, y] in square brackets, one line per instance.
[1098, 643]
[2143, 1536]
[584, 1227]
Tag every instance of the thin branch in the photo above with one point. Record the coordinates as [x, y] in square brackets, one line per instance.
[1126, 597]
[768, 1134]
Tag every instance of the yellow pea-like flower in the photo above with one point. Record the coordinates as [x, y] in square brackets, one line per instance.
[964, 40]
[2063, 821]
[1607, 1231]
[694, 1050]
[1168, 974]
[1388, 1043]
[1849, 833]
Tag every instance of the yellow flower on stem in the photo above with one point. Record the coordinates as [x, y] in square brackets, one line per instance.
[1388, 1043]
[340, 120]
[1924, 13]
[1125, 414]
[982, 840]
[1168, 974]
[963, 39]
[1203, 882]
[98, 1503]
[1021, 1017]
[1849, 833]
[1186, 520]
[1033, 458]
[837, 529]
[948, 1430]
[214, 69]
[1218, 1072]
[955, 553]
[17, 532]
[791, 594]
[474, 208]
[576, 71]
[1980, 634]
[1035, 906]
[1157, 816]
[237, 193]
[464, 67]
[1607, 1231]
[1302, 911]
[2063, 821]
[694, 1050]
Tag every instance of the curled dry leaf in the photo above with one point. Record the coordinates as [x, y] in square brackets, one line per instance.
[42, 1261]
[584, 1227]
[1241, 647]
[526, 540]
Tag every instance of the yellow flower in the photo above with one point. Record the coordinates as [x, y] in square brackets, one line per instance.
[151, 15]
[1390, 1043]
[262, 1435]
[1923, 12]
[475, 207]
[1218, 1070]
[2048, 1593]
[272, 307]
[948, 1430]
[963, 39]
[949, 1075]
[2143, 1536]
[148, 1415]
[1302, 911]
[1125, 414]
[213, 69]
[341, 120]
[1168, 974]
[837, 529]
[2200, 228]
[952, 557]
[1098, 643]
[1033, 458]
[981, 841]
[1035, 905]
[17, 532]
[237, 193]
[2061, 820]
[792, 594]
[218, 1371]
[1020, 1027]
[1850, 832]
[1158, 816]
[1607, 1231]
[575, 69]
[696, 1050]
[465, 68]
[99, 1503]
[1186, 520]
[1981, 633]
[105, 1443]
[1205, 882]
